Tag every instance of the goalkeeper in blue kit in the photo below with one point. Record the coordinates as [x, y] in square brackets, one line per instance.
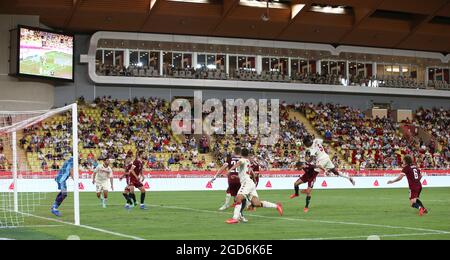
[61, 179]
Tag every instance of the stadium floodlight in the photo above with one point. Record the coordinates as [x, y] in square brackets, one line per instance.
[38, 143]
[328, 9]
[265, 16]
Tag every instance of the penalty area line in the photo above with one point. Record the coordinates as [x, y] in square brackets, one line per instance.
[85, 227]
[312, 220]
[381, 236]
[32, 226]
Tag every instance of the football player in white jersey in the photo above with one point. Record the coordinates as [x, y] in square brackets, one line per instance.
[103, 180]
[323, 160]
[247, 190]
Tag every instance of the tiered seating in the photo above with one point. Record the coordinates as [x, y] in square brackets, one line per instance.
[316, 78]
[269, 76]
[131, 71]
[440, 84]
[399, 82]
[113, 129]
[4, 163]
[282, 155]
[367, 143]
[118, 129]
[436, 122]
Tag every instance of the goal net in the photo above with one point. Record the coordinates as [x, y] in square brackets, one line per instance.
[36, 149]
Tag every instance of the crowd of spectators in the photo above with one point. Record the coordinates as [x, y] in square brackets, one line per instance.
[4, 163]
[376, 142]
[113, 129]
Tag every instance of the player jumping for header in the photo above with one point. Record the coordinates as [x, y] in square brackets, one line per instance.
[64, 173]
[247, 190]
[321, 157]
[414, 176]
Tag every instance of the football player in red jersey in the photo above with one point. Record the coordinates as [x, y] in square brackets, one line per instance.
[233, 179]
[255, 169]
[310, 174]
[135, 177]
[414, 176]
[128, 193]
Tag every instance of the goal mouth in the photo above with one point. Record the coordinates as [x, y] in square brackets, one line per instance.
[34, 147]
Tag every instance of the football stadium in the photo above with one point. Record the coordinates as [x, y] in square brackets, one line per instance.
[249, 120]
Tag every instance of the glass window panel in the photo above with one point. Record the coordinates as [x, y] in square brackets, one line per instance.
[119, 58]
[439, 74]
[342, 65]
[108, 57]
[325, 67]
[211, 61]
[221, 61]
[177, 60]
[232, 66]
[154, 60]
[334, 68]
[413, 73]
[187, 60]
[266, 64]
[395, 70]
[134, 58]
[242, 62]
[284, 66]
[295, 66]
[143, 58]
[446, 75]
[431, 74]
[361, 70]
[406, 71]
[274, 65]
[304, 67]
[251, 63]
[388, 70]
[201, 61]
[352, 69]
[99, 57]
[167, 63]
[312, 66]
[369, 70]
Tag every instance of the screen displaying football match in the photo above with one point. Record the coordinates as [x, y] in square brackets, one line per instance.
[45, 54]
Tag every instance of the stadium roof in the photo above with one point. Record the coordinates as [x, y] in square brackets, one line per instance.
[399, 24]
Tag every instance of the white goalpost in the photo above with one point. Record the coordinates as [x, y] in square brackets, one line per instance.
[34, 145]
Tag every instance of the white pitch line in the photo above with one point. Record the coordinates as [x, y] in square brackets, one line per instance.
[312, 220]
[356, 237]
[86, 227]
[32, 226]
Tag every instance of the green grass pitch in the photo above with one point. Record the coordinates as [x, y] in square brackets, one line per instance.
[334, 214]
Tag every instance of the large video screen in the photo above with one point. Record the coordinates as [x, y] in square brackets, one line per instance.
[45, 54]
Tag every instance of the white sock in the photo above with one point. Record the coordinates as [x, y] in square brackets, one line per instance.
[340, 174]
[227, 200]
[105, 201]
[267, 204]
[237, 211]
